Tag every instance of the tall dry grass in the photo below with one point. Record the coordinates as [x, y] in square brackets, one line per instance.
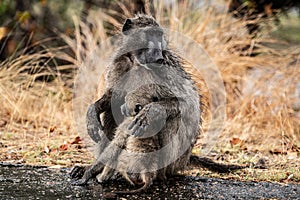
[261, 81]
[35, 105]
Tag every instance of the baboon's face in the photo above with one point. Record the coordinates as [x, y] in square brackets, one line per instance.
[149, 43]
[154, 44]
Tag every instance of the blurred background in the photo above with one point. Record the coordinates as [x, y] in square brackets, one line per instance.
[254, 43]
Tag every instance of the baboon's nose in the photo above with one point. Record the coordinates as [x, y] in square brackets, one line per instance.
[160, 60]
[158, 56]
[154, 56]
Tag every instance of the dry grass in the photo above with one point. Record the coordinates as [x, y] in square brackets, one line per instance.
[261, 91]
[35, 114]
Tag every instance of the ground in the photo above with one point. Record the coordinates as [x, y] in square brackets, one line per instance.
[27, 182]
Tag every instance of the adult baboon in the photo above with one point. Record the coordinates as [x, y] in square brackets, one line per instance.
[145, 58]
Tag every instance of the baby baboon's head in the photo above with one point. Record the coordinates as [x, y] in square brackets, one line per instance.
[145, 38]
[137, 99]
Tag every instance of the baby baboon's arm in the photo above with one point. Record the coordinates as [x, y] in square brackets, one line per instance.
[153, 115]
[93, 120]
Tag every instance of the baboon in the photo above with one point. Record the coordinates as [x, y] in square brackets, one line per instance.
[130, 154]
[144, 57]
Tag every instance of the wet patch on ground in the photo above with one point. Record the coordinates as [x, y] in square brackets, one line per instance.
[40, 182]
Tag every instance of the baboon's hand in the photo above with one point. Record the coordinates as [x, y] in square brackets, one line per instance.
[93, 123]
[150, 120]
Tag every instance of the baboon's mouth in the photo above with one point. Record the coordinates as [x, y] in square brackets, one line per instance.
[160, 61]
[154, 65]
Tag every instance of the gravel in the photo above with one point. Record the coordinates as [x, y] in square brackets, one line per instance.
[41, 182]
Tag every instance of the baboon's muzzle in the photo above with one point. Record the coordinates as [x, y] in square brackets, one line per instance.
[154, 56]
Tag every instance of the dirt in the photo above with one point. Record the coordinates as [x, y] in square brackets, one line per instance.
[39, 182]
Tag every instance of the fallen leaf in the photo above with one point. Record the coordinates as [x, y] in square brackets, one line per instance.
[54, 151]
[277, 151]
[236, 141]
[77, 140]
[63, 147]
[52, 129]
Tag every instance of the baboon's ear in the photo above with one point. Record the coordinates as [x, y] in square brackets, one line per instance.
[127, 26]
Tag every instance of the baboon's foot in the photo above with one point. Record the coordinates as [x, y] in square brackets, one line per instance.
[77, 172]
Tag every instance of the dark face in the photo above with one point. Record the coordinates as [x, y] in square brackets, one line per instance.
[147, 43]
[153, 46]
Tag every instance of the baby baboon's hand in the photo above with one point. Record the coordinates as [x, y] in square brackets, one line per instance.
[150, 120]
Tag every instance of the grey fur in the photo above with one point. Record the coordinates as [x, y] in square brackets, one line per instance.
[134, 65]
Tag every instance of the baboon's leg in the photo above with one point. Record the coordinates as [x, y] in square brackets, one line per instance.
[94, 129]
[105, 174]
[125, 175]
[109, 156]
[111, 153]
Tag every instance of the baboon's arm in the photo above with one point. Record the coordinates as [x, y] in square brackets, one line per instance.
[153, 115]
[93, 120]
[103, 104]
[170, 105]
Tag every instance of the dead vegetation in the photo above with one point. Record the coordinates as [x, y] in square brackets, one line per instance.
[261, 81]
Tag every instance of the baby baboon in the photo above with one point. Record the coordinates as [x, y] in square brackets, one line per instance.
[145, 58]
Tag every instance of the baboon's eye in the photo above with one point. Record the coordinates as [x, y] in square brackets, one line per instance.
[138, 108]
[154, 99]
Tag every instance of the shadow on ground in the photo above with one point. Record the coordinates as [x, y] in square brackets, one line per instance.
[38, 182]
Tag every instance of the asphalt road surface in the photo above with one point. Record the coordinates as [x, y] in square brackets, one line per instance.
[27, 182]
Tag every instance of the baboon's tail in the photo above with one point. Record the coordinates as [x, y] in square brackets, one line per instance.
[197, 161]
